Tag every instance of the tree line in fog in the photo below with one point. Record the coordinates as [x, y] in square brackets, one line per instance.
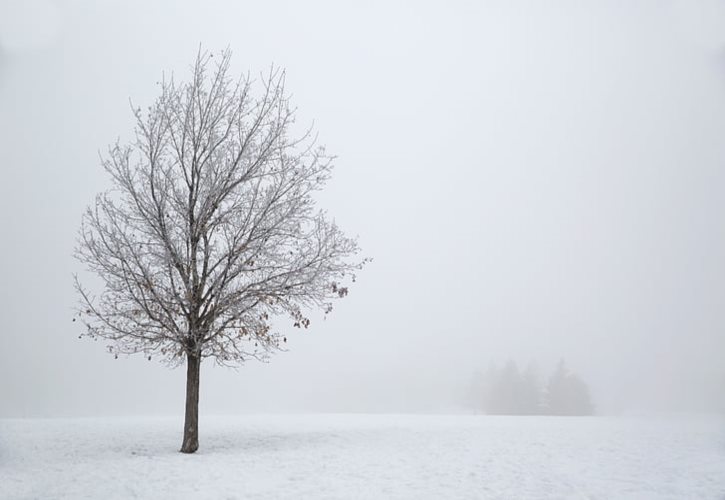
[506, 390]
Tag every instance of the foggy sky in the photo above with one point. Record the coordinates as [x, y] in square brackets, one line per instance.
[533, 182]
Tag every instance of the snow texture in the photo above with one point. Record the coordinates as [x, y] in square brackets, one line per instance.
[365, 456]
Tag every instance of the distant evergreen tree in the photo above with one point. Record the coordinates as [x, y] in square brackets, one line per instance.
[567, 394]
[530, 391]
[508, 392]
[488, 386]
[478, 392]
[505, 396]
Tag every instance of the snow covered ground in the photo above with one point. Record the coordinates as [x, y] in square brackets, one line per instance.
[365, 456]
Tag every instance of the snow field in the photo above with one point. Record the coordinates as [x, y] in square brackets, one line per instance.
[365, 456]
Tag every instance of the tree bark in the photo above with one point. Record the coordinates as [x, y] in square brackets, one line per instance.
[191, 419]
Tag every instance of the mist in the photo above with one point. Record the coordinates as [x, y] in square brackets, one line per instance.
[533, 183]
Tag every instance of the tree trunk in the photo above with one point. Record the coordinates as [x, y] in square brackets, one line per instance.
[191, 419]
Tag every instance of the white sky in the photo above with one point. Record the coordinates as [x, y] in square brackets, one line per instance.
[533, 182]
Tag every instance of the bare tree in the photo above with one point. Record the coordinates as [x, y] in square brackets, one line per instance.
[210, 229]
